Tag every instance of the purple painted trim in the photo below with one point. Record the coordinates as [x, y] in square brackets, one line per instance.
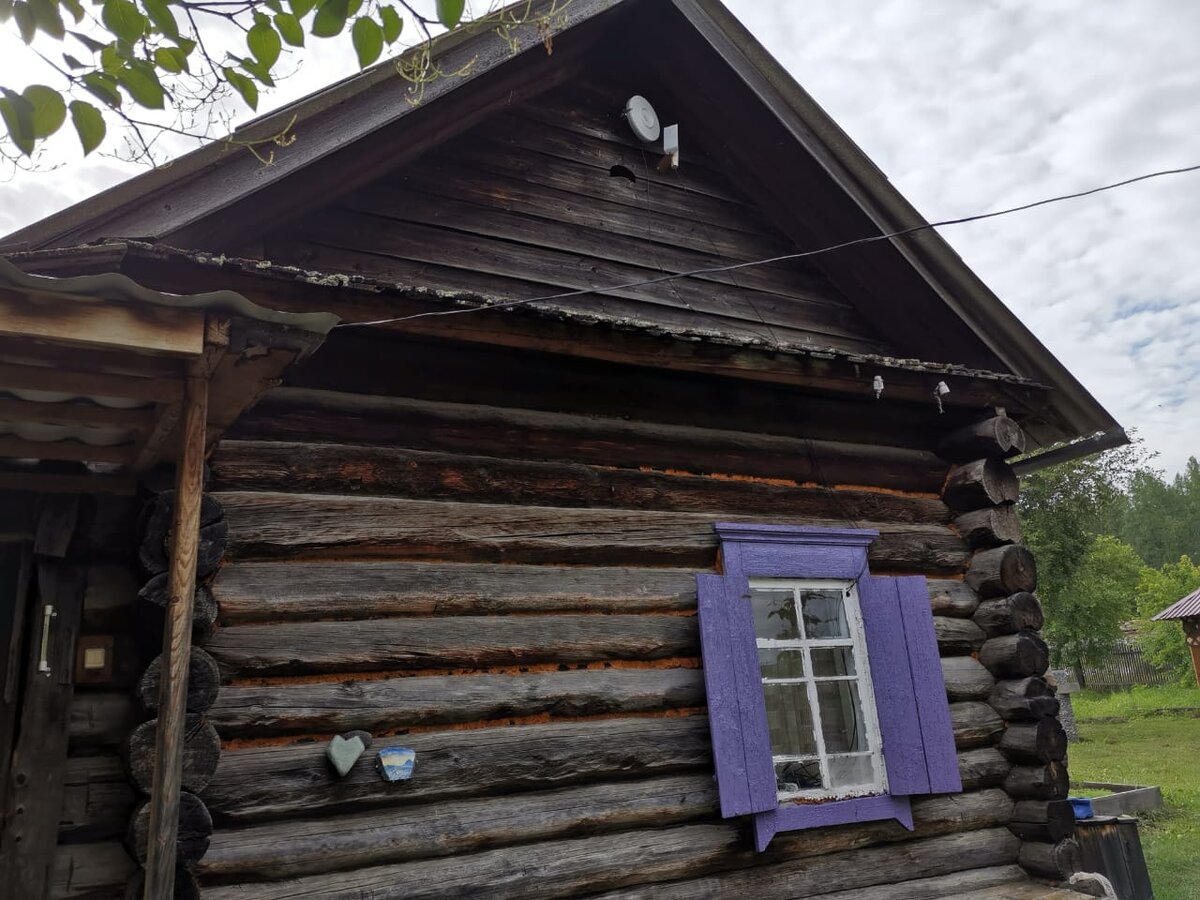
[795, 816]
[795, 534]
[891, 678]
[743, 656]
[929, 686]
[724, 710]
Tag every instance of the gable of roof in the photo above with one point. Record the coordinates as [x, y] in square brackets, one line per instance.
[915, 288]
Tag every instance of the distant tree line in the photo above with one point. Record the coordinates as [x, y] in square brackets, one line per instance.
[1114, 541]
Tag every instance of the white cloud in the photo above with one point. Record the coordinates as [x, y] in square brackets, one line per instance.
[971, 107]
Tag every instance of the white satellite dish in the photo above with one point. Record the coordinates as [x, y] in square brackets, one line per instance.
[642, 119]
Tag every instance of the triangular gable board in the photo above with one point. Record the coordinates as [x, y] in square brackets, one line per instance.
[556, 194]
[375, 176]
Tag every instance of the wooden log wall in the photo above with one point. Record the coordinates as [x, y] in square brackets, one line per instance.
[201, 743]
[982, 490]
[510, 592]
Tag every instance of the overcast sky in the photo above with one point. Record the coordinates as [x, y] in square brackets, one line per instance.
[970, 107]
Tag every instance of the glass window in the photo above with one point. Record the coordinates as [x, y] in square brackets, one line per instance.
[820, 713]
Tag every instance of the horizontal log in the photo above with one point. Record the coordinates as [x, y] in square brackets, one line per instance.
[315, 525]
[1024, 699]
[249, 592]
[1011, 881]
[313, 846]
[980, 483]
[1043, 820]
[192, 837]
[203, 683]
[989, 527]
[966, 678]
[450, 641]
[1016, 655]
[392, 703]
[152, 611]
[999, 436]
[201, 752]
[1032, 742]
[1008, 615]
[982, 767]
[421, 474]
[1002, 571]
[97, 799]
[1048, 782]
[99, 718]
[856, 869]
[186, 886]
[952, 598]
[1057, 862]
[974, 724]
[308, 415]
[268, 783]
[90, 871]
[621, 861]
[957, 636]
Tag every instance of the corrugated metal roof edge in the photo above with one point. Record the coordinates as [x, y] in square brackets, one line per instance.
[1184, 608]
[118, 288]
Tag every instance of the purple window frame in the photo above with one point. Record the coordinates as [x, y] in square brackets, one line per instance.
[914, 714]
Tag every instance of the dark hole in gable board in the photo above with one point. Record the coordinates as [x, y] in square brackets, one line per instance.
[620, 171]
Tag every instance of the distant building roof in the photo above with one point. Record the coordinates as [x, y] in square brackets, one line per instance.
[1182, 609]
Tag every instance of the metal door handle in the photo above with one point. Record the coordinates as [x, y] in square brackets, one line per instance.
[48, 613]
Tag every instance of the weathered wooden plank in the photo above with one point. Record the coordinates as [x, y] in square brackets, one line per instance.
[97, 799]
[392, 703]
[313, 846]
[400, 247]
[344, 469]
[289, 781]
[957, 636]
[249, 592]
[966, 678]
[620, 862]
[294, 848]
[96, 871]
[449, 641]
[309, 415]
[975, 724]
[274, 525]
[983, 767]
[960, 885]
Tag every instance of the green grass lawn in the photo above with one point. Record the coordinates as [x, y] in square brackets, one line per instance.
[1149, 748]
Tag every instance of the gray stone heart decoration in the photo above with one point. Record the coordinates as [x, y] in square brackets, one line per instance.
[344, 750]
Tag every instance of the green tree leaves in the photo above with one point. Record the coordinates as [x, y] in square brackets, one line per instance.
[131, 54]
[89, 125]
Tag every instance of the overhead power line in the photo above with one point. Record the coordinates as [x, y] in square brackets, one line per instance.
[714, 270]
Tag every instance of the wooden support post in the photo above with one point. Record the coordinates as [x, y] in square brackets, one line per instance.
[177, 641]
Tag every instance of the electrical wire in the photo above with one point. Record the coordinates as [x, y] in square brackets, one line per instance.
[713, 270]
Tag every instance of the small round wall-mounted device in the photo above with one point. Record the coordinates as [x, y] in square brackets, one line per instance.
[642, 119]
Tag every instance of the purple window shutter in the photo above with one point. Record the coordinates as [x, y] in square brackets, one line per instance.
[891, 676]
[929, 686]
[736, 710]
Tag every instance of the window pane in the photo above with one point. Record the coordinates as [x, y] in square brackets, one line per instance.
[789, 720]
[774, 614]
[831, 661]
[841, 717]
[824, 614]
[781, 663]
[850, 771]
[792, 776]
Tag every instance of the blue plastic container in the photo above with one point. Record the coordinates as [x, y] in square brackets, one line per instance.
[1082, 807]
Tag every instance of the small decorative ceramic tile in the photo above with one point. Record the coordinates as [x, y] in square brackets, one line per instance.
[396, 763]
[344, 750]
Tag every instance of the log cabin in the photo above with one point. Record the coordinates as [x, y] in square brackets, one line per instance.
[672, 573]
